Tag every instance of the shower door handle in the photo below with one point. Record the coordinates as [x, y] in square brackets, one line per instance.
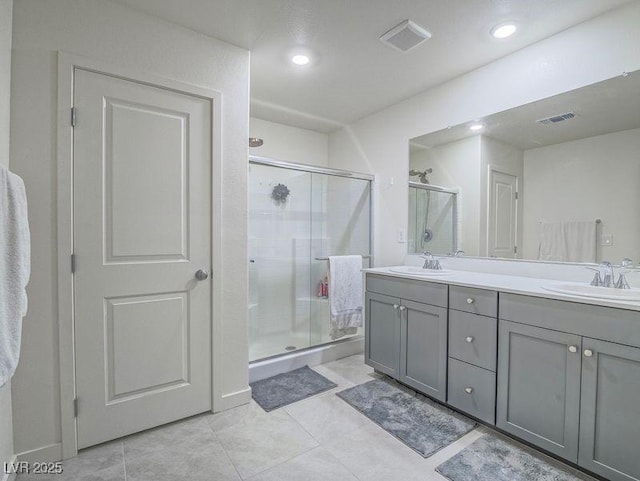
[202, 275]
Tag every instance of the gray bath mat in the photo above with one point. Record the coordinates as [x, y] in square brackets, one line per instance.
[421, 424]
[493, 459]
[282, 389]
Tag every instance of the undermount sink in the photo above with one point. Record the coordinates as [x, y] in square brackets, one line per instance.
[585, 290]
[419, 271]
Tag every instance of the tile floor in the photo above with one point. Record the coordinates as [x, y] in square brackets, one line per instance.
[319, 438]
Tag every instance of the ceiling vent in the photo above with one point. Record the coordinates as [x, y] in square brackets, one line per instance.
[556, 118]
[405, 36]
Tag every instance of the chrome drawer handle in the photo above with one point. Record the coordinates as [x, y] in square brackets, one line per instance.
[395, 306]
[469, 300]
[588, 353]
[573, 349]
[468, 390]
[469, 339]
[402, 308]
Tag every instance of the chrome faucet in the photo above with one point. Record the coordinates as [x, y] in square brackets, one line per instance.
[458, 253]
[430, 262]
[609, 279]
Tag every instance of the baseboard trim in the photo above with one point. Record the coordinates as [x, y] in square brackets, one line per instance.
[10, 476]
[46, 454]
[234, 399]
[310, 357]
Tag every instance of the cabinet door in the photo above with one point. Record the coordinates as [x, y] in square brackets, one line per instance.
[539, 387]
[610, 410]
[423, 348]
[382, 333]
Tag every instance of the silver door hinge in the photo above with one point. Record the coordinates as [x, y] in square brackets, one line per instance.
[73, 263]
[73, 116]
[515, 249]
[516, 196]
[75, 408]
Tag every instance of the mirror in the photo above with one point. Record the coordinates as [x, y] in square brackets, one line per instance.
[432, 219]
[553, 180]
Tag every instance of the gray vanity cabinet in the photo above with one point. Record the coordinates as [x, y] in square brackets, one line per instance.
[610, 410]
[538, 396]
[406, 332]
[423, 348]
[382, 333]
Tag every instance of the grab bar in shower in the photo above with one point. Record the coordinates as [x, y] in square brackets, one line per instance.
[326, 258]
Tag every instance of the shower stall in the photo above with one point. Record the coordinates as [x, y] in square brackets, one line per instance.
[432, 219]
[298, 216]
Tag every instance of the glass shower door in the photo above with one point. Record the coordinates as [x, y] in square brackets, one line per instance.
[340, 225]
[297, 218]
[279, 260]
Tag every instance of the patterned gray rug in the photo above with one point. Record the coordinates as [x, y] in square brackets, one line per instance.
[493, 459]
[423, 425]
[282, 389]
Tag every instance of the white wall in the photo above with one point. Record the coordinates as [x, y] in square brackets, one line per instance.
[458, 165]
[109, 32]
[291, 144]
[6, 418]
[590, 52]
[566, 182]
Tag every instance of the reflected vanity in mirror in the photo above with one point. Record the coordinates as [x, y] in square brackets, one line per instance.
[553, 180]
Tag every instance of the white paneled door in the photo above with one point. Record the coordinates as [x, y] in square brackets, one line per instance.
[503, 198]
[142, 233]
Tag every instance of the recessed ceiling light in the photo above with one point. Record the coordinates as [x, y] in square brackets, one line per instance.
[300, 59]
[504, 30]
[476, 127]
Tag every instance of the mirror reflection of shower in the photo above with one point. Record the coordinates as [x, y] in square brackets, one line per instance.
[421, 174]
[432, 218]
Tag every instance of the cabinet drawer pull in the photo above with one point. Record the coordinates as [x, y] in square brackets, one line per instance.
[573, 349]
[469, 300]
[468, 390]
[402, 308]
[469, 339]
[395, 306]
[588, 353]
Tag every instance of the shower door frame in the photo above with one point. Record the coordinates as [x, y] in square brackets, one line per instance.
[446, 190]
[313, 169]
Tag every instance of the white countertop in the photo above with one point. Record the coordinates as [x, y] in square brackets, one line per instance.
[506, 283]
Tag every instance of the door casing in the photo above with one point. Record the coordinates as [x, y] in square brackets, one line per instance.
[67, 64]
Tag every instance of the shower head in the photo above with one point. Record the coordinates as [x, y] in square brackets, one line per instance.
[422, 175]
[255, 142]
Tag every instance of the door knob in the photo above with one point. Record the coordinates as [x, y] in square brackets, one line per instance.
[202, 275]
[588, 353]
[573, 349]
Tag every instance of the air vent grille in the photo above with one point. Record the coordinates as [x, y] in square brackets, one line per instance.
[405, 36]
[556, 118]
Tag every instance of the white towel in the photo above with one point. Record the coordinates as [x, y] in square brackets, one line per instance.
[570, 241]
[15, 267]
[345, 295]
[552, 245]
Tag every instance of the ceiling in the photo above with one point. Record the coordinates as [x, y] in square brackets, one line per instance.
[602, 108]
[352, 74]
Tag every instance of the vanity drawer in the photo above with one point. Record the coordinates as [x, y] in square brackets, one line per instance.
[598, 322]
[473, 339]
[476, 301]
[419, 291]
[472, 390]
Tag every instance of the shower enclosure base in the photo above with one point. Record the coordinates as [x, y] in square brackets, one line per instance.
[309, 357]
